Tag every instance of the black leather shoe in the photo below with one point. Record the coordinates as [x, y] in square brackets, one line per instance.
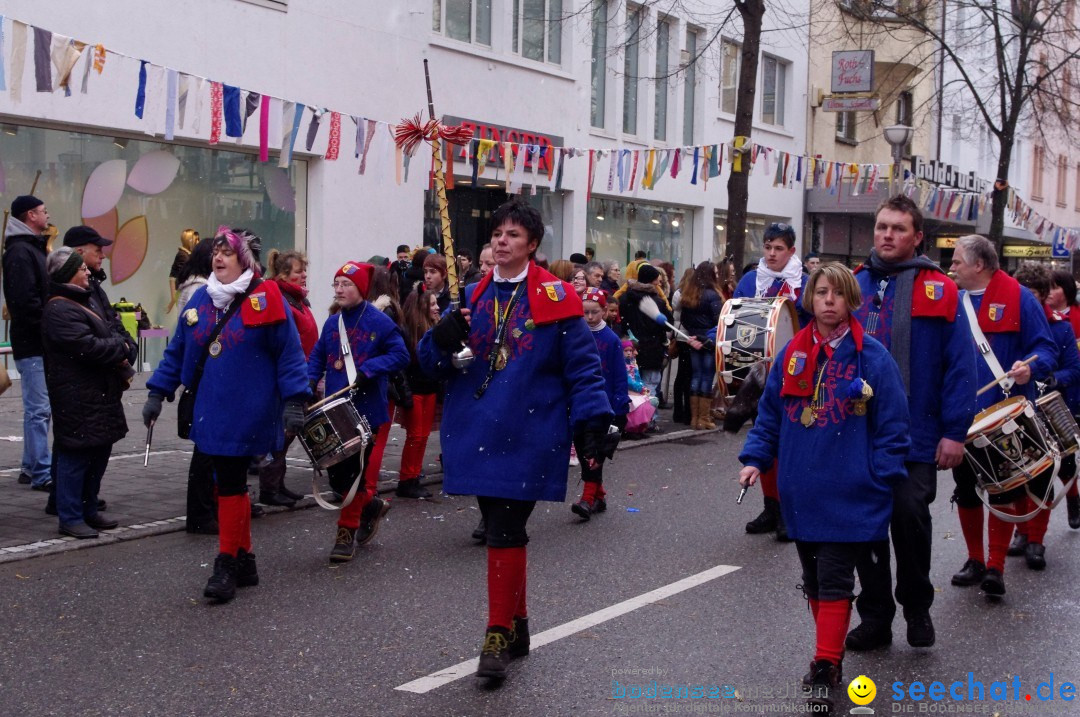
[480, 532]
[971, 574]
[599, 505]
[50, 505]
[370, 519]
[920, 631]
[519, 638]
[221, 587]
[102, 506]
[344, 545]
[78, 530]
[824, 686]
[766, 521]
[868, 636]
[247, 574]
[100, 522]
[24, 479]
[1035, 556]
[494, 654]
[257, 510]
[411, 489]
[44, 487]
[1072, 507]
[582, 509]
[276, 499]
[994, 583]
[1018, 545]
[292, 495]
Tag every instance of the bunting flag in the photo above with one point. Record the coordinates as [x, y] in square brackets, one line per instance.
[216, 102]
[140, 95]
[231, 105]
[371, 124]
[563, 154]
[197, 124]
[43, 59]
[171, 91]
[291, 114]
[18, 59]
[99, 58]
[65, 61]
[694, 173]
[484, 151]
[675, 164]
[334, 146]
[264, 128]
[313, 127]
[360, 124]
[3, 61]
[611, 169]
[633, 172]
[181, 99]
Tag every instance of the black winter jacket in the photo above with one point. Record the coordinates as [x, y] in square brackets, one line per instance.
[651, 336]
[99, 302]
[26, 289]
[698, 320]
[83, 358]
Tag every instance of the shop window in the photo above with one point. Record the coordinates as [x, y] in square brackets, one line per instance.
[465, 20]
[538, 30]
[1037, 173]
[618, 229]
[1076, 198]
[663, 47]
[905, 115]
[689, 85]
[598, 84]
[1062, 179]
[755, 232]
[845, 127]
[773, 90]
[729, 75]
[631, 61]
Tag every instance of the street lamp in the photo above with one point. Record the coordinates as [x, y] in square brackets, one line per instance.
[898, 136]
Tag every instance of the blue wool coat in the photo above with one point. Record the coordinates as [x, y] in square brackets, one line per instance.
[242, 392]
[1009, 347]
[836, 477]
[613, 367]
[747, 289]
[943, 356]
[378, 350]
[1067, 369]
[514, 440]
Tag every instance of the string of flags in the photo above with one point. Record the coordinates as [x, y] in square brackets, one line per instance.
[179, 99]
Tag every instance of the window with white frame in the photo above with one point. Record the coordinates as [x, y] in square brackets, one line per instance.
[905, 114]
[1062, 179]
[635, 16]
[465, 20]
[773, 90]
[1076, 198]
[1037, 173]
[845, 126]
[689, 62]
[598, 84]
[730, 52]
[538, 30]
[663, 48]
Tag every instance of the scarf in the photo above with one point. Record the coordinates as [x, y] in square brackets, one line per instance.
[801, 356]
[599, 327]
[904, 273]
[223, 294]
[999, 311]
[791, 274]
[550, 299]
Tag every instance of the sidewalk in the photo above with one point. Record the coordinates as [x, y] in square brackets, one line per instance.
[152, 500]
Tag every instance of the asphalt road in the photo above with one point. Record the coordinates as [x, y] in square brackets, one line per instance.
[123, 630]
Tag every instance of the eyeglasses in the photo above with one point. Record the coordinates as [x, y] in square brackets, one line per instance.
[344, 284]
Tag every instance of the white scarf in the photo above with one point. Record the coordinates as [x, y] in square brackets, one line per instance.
[223, 294]
[791, 274]
[599, 327]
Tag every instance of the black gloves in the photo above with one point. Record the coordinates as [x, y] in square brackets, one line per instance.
[151, 409]
[590, 439]
[451, 333]
[293, 417]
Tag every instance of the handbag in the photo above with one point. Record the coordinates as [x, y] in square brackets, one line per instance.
[185, 407]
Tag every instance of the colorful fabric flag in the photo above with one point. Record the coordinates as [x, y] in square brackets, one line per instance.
[334, 145]
[231, 105]
[18, 59]
[264, 128]
[43, 59]
[171, 91]
[291, 115]
[140, 94]
[181, 100]
[216, 102]
[313, 127]
[252, 102]
[3, 78]
[371, 125]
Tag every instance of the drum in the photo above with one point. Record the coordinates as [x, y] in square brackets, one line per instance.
[1059, 420]
[1007, 446]
[334, 431]
[751, 330]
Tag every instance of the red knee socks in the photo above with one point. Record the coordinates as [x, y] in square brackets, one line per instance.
[768, 483]
[234, 523]
[998, 535]
[832, 619]
[971, 525]
[1036, 527]
[506, 585]
[521, 611]
[588, 493]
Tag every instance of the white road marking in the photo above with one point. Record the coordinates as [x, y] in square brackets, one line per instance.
[119, 457]
[423, 685]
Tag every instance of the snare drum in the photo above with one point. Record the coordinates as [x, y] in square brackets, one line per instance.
[1007, 446]
[334, 431]
[1059, 420]
[751, 330]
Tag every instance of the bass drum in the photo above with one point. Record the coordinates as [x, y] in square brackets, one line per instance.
[751, 330]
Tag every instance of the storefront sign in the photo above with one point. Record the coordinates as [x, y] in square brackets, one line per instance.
[852, 71]
[850, 104]
[1060, 251]
[946, 242]
[947, 175]
[499, 133]
[1026, 251]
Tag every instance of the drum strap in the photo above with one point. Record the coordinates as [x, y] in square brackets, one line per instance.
[346, 350]
[983, 345]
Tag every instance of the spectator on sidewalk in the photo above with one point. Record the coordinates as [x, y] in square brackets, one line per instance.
[469, 272]
[435, 279]
[594, 274]
[421, 312]
[487, 260]
[26, 289]
[89, 365]
[651, 336]
[195, 272]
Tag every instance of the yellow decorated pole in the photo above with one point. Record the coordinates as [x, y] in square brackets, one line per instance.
[440, 197]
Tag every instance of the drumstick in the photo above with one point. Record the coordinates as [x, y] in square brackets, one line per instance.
[995, 382]
[313, 406]
[149, 439]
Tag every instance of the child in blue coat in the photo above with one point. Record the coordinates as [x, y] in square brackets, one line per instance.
[834, 416]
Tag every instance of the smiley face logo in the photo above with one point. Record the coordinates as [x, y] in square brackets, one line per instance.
[862, 690]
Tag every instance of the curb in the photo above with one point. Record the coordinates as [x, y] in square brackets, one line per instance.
[55, 546]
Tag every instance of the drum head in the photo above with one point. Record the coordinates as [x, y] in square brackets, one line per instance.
[990, 418]
[749, 331]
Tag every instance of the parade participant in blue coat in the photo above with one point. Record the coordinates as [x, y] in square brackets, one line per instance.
[913, 309]
[1014, 324]
[375, 349]
[508, 418]
[778, 273]
[1031, 534]
[834, 416]
[609, 346]
[252, 382]
[1062, 301]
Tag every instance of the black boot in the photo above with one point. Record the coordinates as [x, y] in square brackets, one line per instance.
[971, 574]
[824, 686]
[370, 518]
[411, 488]
[582, 509]
[519, 638]
[344, 545]
[494, 655]
[480, 532]
[1072, 506]
[222, 584]
[781, 527]
[766, 522]
[868, 636]
[994, 583]
[1035, 555]
[1018, 545]
[247, 574]
[278, 498]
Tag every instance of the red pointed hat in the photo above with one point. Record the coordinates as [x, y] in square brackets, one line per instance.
[358, 273]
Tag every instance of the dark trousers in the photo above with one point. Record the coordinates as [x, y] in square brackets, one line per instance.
[201, 507]
[680, 389]
[231, 474]
[828, 569]
[912, 532]
[505, 519]
[78, 480]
